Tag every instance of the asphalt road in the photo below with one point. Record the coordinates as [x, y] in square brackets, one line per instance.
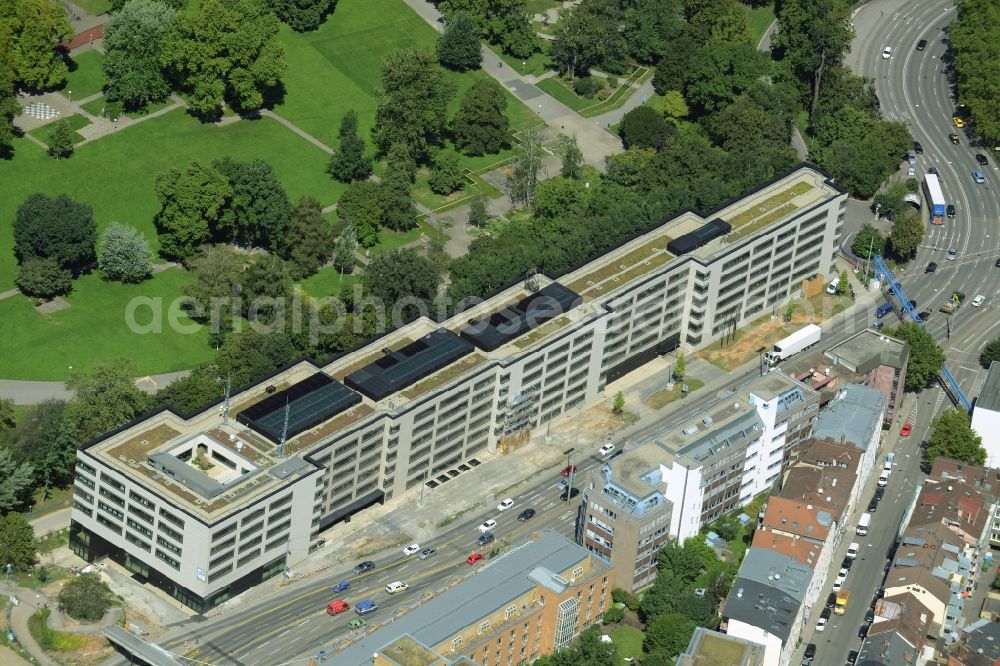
[295, 623]
[914, 87]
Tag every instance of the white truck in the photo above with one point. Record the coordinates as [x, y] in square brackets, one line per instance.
[863, 524]
[801, 339]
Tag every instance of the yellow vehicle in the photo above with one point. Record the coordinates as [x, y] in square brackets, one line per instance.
[959, 121]
[842, 598]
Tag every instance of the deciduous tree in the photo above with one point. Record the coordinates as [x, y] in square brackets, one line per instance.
[990, 353]
[719, 72]
[502, 22]
[412, 103]
[258, 209]
[559, 198]
[458, 46]
[642, 127]
[974, 36]
[401, 274]
[668, 635]
[29, 32]
[867, 241]
[60, 140]
[43, 278]
[720, 21]
[527, 168]
[926, 357]
[124, 254]
[446, 176]
[15, 483]
[17, 541]
[361, 207]
[133, 43]
[103, 399]
[651, 26]
[350, 163]
[224, 51]
[308, 240]
[192, 205]
[570, 156]
[952, 436]
[587, 36]
[9, 106]
[55, 227]
[478, 216]
[86, 597]
[481, 126]
[303, 15]
[347, 243]
[906, 235]
[43, 441]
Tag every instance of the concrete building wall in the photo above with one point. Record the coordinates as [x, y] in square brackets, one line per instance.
[772, 644]
[986, 423]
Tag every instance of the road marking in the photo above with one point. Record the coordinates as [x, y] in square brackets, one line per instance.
[283, 633]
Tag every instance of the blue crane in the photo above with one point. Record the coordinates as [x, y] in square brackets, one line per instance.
[950, 383]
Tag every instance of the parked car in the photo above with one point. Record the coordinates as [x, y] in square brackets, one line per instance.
[488, 525]
[905, 430]
[978, 177]
[911, 172]
[978, 300]
[356, 623]
[364, 566]
[912, 159]
[852, 550]
[427, 552]
[950, 211]
[954, 139]
[412, 548]
[568, 469]
[485, 538]
[475, 557]
[564, 498]
[526, 515]
[870, 616]
[997, 264]
[863, 630]
[952, 253]
[606, 449]
[821, 624]
[852, 657]
[959, 122]
[981, 159]
[917, 148]
[931, 267]
[879, 492]
[924, 315]
[934, 171]
[922, 44]
[342, 586]
[873, 505]
[506, 504]
[831, 600]
[846, 564]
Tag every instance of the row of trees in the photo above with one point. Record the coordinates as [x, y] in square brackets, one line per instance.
[974, 37]
[504, 23]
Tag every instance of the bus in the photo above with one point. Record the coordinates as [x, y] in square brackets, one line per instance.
[935, 199]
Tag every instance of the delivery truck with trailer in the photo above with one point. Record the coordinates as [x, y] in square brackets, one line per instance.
[804, 338]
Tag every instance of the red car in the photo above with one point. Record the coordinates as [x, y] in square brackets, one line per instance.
[568, 470]
[337, 607]
[905, 430]
[475, 557]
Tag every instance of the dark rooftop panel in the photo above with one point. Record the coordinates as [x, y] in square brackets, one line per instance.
[702, 235]
[310, 402]
[399, 369]
[515, 320]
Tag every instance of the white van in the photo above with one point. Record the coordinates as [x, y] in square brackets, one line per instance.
[832, 287]
[883, 478]
[852, 550]
[864, 524]
[398, 586]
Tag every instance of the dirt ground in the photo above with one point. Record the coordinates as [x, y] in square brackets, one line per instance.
[764, 332]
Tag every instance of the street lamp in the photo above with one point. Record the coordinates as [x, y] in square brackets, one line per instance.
[70, 92]
[569, 477]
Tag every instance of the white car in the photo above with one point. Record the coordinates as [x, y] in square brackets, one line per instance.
[488, 525]
[838, 582]
[911, 172]
[607, 449]
[506, 504]
[978, 300]
[398, 586]
[821, 624]
[852, 550]
[412, 548]
[886, 53]
[883, 478]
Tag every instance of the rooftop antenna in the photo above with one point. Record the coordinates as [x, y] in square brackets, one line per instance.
[225, 405]
[284, 431]
[531, 280]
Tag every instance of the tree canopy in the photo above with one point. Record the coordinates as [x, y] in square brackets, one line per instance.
[412, 103]
[990, 353]
[224, 51]
[29, 33]
[258, 210]
[349, 163]
[308, 239]
[124, 254]
[193, 204]
[480, 126]
[56, 228]
[302, 15]
[104, 398]
[133, 43]
[975, 41]
[458, 46]
[926, 357]
[867, 241]
[17, 540]
[505, 23]
[86, 597]
[401, 276]
[952, 436]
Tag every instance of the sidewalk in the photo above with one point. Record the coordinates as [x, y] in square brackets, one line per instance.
[29, 602]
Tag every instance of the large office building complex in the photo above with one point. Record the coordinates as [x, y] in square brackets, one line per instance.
[208, 504]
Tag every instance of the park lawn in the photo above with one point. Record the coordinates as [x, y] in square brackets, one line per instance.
[759, 19]
[115, 174]
[88, 76]
[540, 6]
[328, 282]
[555, 87]
[538, 63]
[36, 346]
[391, 240]
[76, 121]
[628, 642]
[336, 69]
[95, 7]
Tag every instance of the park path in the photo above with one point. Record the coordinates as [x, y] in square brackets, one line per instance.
[764, 45]
[595, 142]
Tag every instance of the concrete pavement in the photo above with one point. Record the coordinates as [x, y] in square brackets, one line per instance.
[51, 522]
[26, 392]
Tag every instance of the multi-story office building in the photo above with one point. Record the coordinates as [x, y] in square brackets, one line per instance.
[530, 601]
[429, 397]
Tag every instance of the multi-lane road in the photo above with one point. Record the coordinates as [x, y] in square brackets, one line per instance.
[914, 86]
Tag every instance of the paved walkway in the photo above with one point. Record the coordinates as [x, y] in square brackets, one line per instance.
[26, 392]
[28, 603]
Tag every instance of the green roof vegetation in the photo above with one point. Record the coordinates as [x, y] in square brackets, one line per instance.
[633, 264]
[543, 331]
[139, 446]
[762, 222]
[769, 204]
[443, 376]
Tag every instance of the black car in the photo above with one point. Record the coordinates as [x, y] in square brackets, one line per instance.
[852, 657]
[917, 148]
[810, 651]
[879, 491]
[873, 506]
[931, 267]
[563, 498]
[526, 515]
[878, 104]
[982, 159]
[879, 592]
[950, 210]
[934, 171]
[887, 566]
[924, 316]
[831, 600]
[863, 630]
[922, 44]
[826, 613]
[997, 264]
[913, 304]
[870, 616]
[485, 538]
[364, 566]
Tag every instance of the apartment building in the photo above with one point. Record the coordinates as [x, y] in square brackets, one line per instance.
[985, 480]
[986, 415]
[525, 603]
[898, 634]
[881, 362]
[980, 646]
[428, 400]
[712, 648]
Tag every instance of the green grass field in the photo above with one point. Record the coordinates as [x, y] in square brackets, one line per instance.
[328, 282]
[337, 68]
[95, 7]
[760, 18]
[628, 642]
[115, 174]
[36, 346]
[555, 87]
[88, 77]
[76, 122]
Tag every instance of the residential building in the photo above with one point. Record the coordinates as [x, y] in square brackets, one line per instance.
[897, 636]
[985, 480]
[986, 415]
[979, 646]
[525, 603]
[626, 517]
[881, 362]
[712, 648]
[428, 400]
